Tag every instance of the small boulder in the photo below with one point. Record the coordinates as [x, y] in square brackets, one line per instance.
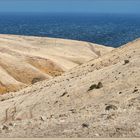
[4, 127]
[126, 62]
[111, 107]
[84, 125]
[64, 94]
[100, 85]
[94, 86]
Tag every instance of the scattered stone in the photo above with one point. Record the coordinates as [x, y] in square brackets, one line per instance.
[43, 118]
[84, 125]
[55, 102]
[135, 90]
[116, 78]
[64, 94]
[100, 85]
[2, 100]
[120, 92]
[4, 127]
[37, 79]
[94, 86]
[73, 110]
[10, 124]
[126, 62]
[111, 116]
[109, 107]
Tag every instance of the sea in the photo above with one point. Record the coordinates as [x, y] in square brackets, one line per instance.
[105, 29]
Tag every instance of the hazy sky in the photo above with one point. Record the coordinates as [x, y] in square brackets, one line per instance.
[98, 6]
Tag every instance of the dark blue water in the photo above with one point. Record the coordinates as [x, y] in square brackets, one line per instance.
[112, 30]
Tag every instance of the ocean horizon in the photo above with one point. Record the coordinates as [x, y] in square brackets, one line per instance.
[105, 29]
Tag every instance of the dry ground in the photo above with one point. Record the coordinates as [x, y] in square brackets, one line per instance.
[100, 98]
[27, 60]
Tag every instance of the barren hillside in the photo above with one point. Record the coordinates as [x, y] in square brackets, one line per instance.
[100, 98]
[27, 60]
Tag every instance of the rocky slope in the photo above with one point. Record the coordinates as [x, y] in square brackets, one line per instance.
[26, 60]
[100, 98]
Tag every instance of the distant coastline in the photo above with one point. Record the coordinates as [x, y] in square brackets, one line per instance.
[106, 29]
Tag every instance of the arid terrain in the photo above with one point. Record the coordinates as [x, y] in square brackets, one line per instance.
[27, 60]
[90, 90]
